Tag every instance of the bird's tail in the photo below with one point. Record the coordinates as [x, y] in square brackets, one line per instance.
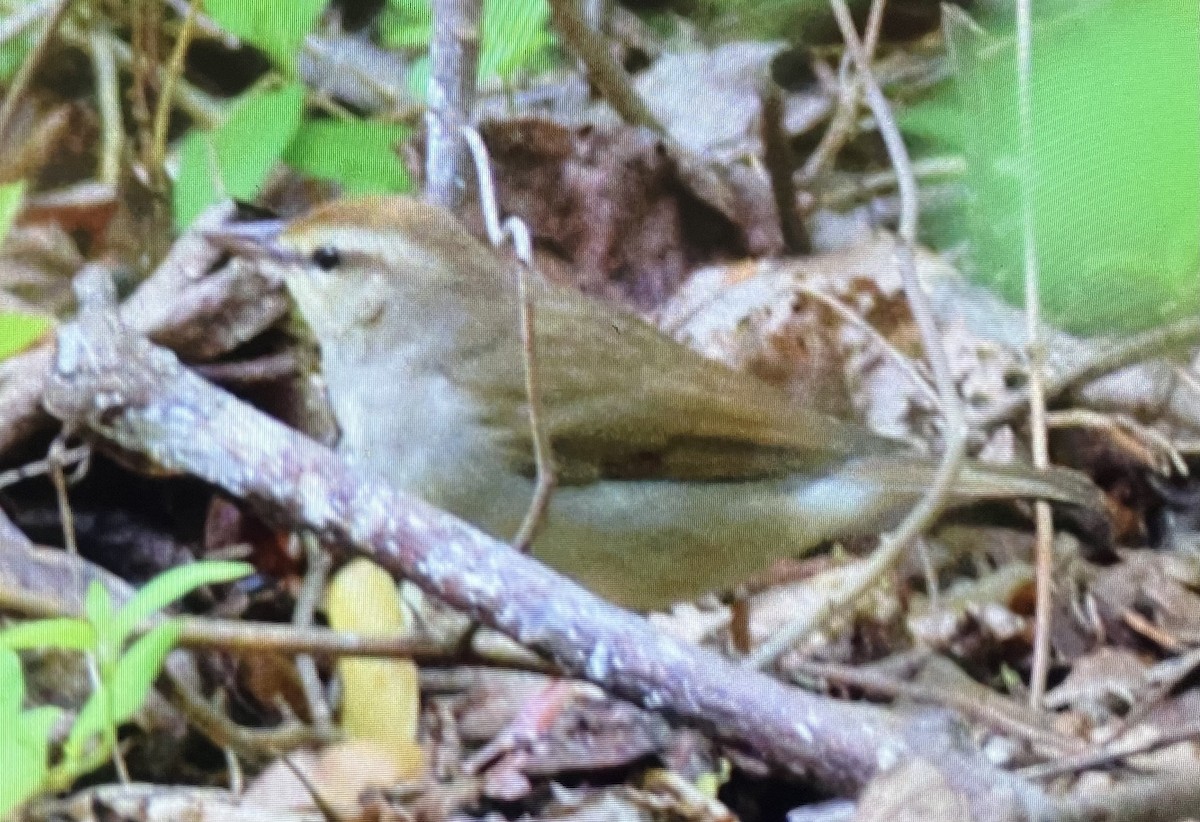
[1077, 498]
[985, 481]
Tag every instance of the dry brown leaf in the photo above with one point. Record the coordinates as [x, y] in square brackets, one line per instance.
[1104, 681]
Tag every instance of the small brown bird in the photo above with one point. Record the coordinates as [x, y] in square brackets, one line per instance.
[677, 475]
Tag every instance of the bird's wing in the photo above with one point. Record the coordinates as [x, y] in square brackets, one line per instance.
[622, 401]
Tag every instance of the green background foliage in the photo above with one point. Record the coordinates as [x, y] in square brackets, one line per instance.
[1115, 164]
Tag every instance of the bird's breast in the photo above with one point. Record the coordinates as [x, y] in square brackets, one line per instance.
[422, 433]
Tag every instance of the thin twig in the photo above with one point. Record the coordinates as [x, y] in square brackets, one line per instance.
[777, 156]
[144, 27]
[1153, 447]
[1110, 754]
[1188, 378]
[842, 123]
[857, 187]
[109, 729]
[55, 462]
[200, 106]
[108, 101]
[543, 457]
[546, 476]
[311, 589]
[79, 454]
[156, 152]
[1113, 356]
[24, 75]
[278, 366]
[935, 352]
[360, 73]
[314, 791]
[454, 61]
[602, 68]
[1039, 438]
[981, 710]
[206, 25]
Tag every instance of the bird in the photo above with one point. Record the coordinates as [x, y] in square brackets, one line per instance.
[676, 475]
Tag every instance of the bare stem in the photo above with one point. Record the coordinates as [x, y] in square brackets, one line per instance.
[845, 115]
[777, 155]
[518, 232]
[157, 150]
[311, 589]
[454, 61]
[602, 68]
[108, 101]
[1108, 358]
[1043, 519]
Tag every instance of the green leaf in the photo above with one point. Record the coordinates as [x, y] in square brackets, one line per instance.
[62, 632]
[516, 35]
[11, 197]
[97, 607]
[25, 737]
[89, 723]
[139, 667]
[936, 120]
[239, 154]
[39, 722]
[24, 749]
[14, 52]
[127, 686]
[417, 80]
[278, 29]
[18, 331]
[359, 154]
[170, 586]
[12, 685]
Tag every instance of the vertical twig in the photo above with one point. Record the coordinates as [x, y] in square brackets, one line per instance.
[319, 562]
[951, 405]
[206, 110]
[24, 75]
[547, 477]
[108, 101]
[842, 123]
[56, 460]
[454, 61]
[1043, 553]
[597, 14]
[602, 68]
[777, 156]
[156, 151]
[142, 52]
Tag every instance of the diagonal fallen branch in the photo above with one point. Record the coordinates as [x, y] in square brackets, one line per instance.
[113, 384]
[198, 315]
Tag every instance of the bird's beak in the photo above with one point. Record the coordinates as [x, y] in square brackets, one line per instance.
[257, 239]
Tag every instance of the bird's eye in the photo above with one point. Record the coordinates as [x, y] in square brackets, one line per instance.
[326, 258]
